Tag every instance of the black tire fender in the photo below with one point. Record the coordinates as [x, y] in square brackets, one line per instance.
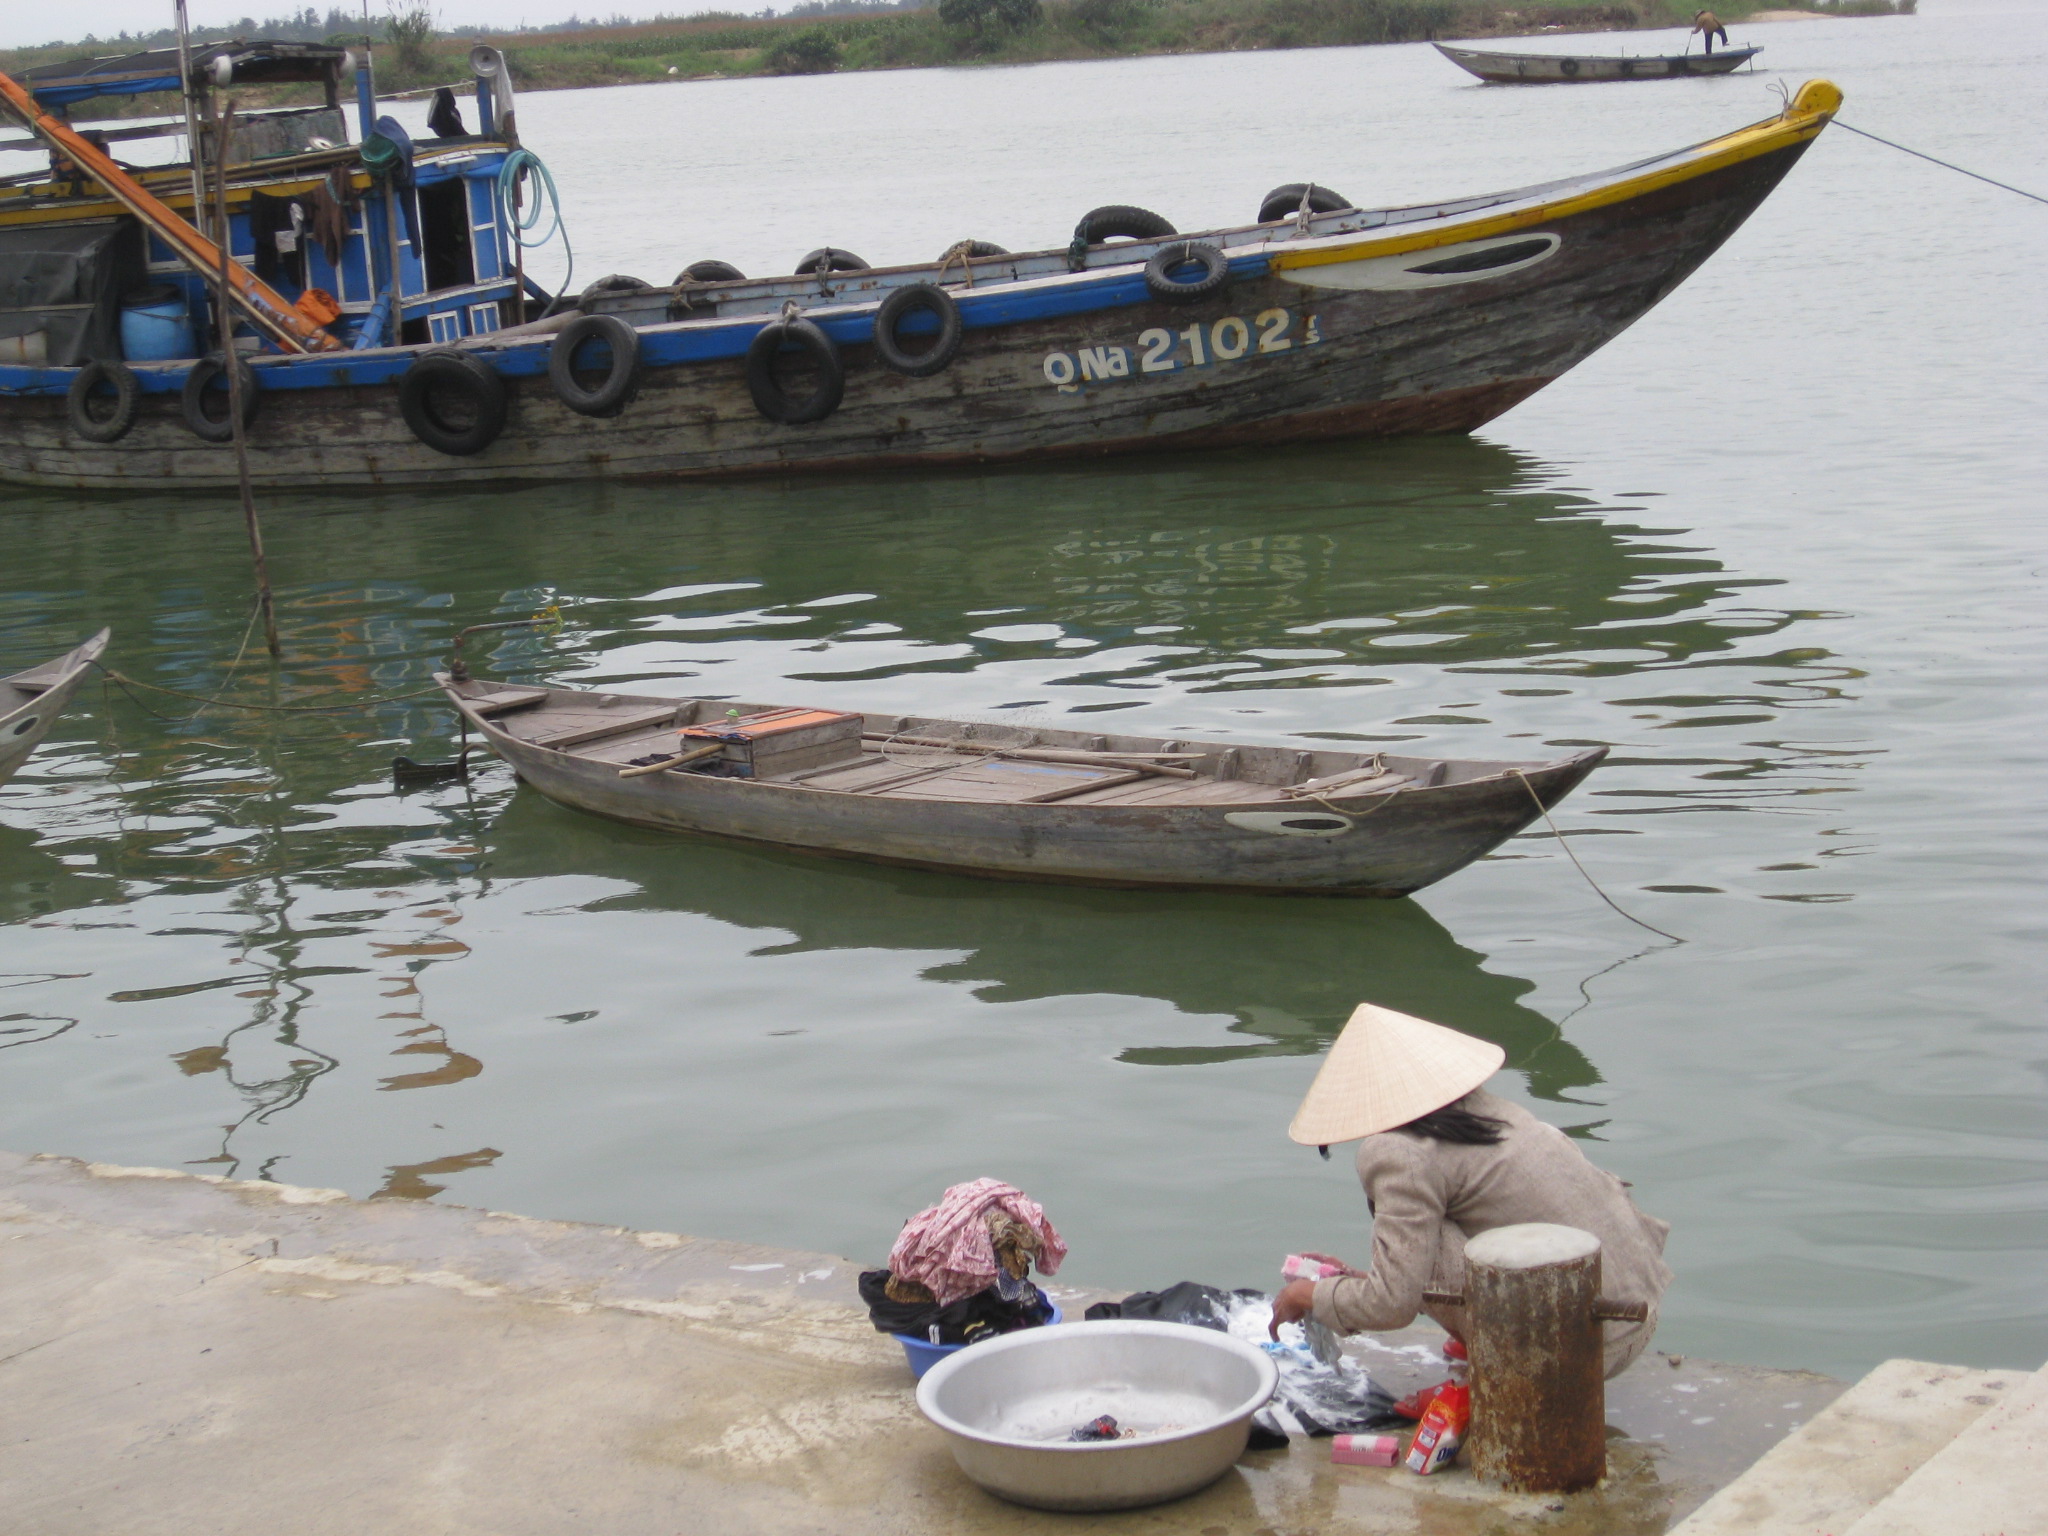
[432, 380]
[770, 399]
[826, 259]
[1284, 202]
[1120, 221]
[622, 376]
[908, 300]
[709, 272]
[199, 386]
[1568, 67]
[977, 250]
[78, 402]
[610, 287]
[1159, 271]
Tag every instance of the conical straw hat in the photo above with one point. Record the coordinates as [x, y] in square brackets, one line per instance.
[1385, 1069]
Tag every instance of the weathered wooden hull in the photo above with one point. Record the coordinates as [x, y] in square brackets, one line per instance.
[1587, 69]
[31, 701]
[1333, 330]
[1393, 844]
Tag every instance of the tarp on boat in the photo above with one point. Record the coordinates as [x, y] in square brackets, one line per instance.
[65, 283]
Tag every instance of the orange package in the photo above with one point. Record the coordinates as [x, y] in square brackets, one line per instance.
[318, 306]
[1442, 1430]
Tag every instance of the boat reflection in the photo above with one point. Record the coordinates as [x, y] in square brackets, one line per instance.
[1287, 973]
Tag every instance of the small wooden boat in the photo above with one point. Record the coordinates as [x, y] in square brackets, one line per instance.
[1011, 803]
[31, 701]
[1583, 69]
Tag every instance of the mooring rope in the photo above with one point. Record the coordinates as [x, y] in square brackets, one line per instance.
[124, 682]
[1558, 833]
[1945, 165]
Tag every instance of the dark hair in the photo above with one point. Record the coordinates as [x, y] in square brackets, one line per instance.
[1454, 1122]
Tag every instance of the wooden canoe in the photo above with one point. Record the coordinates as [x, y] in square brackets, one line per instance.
[1584, 69]
[31, 701]
[1357, 322]
[1027, 804]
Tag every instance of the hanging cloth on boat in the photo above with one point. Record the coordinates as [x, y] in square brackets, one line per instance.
[387, 154]
[331, 202]
[955, 1249]
[277, 226]
[444, 118]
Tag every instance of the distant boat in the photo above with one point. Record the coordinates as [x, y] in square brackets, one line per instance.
[1015, 803]
[31, 701]
[1582, 69]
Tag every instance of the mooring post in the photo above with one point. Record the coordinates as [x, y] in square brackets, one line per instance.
[1539, 1388]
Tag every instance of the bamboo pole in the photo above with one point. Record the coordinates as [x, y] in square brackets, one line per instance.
[191, 118]
[223, 123]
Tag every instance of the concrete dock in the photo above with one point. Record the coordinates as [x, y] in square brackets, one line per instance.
[182, 1354]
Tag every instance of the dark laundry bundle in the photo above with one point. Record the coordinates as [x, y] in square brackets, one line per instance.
[966, 1321]
[1204, 1306]
[1323, 1399]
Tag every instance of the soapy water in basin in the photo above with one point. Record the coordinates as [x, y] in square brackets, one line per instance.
[1140, 1412]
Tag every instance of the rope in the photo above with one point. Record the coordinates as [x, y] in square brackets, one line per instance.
[2003, 186]
[125, 683]
[518, 165]
[960, 251]
[1558, 833]
[240, 651]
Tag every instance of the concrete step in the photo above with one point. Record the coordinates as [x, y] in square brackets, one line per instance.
[1842, 1464]
[1991, 1480]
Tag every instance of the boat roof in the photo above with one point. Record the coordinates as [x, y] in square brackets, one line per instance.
[156, 69]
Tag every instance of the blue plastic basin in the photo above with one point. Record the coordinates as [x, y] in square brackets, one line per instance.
[923, 1354]
[156, 329]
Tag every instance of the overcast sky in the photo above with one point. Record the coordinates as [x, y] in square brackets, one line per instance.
[23, 24]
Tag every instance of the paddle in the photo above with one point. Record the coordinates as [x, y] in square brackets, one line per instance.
[673, 762]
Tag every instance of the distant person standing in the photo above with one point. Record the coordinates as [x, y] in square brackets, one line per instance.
[1708, 25]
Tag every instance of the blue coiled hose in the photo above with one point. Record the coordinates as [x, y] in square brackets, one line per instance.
[518, 165]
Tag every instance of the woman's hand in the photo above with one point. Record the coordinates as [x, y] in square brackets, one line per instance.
[1296, 1300]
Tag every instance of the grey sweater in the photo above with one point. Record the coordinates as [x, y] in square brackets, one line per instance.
[1428, 1197]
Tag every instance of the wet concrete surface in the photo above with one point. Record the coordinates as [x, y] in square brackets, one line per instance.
[180, 1354]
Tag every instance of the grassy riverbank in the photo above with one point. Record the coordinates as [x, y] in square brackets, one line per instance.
[954, 32]
[1027, 31]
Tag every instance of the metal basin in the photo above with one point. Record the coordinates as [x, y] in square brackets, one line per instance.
[1007, 1406]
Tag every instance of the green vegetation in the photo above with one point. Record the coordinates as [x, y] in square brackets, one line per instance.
[826, 35]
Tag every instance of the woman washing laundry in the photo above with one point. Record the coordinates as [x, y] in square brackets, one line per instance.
[1443, 1160]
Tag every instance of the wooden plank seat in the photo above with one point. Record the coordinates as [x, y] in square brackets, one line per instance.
[505, 699]
[561, 729]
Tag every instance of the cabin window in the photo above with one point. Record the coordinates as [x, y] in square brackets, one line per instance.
[444, 230]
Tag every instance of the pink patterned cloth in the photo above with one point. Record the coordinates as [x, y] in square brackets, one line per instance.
[947, 1249]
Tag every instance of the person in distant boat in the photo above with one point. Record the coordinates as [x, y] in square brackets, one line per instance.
[1708, 25]
[1443, 1160]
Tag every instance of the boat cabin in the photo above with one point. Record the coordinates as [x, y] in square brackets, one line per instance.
[409, 238]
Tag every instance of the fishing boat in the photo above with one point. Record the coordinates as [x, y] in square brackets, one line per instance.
[1011, 803]
[1584, 69]
[442, 365]
[31, 701]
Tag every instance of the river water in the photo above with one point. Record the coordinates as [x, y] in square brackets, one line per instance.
[1782, 545]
